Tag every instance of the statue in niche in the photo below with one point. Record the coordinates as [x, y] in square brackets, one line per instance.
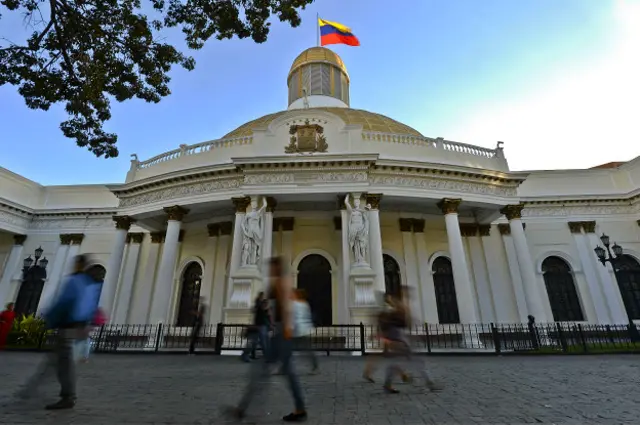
[358, 230]
[252, 230]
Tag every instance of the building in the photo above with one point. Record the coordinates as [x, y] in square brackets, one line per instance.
[355, 201]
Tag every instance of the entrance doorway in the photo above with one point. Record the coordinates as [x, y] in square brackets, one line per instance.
[314, 277]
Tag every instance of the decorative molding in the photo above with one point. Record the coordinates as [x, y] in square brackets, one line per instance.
[484, 230]
[576, 210]
[226, 228]
[418, 225]
[180, 190]
[449, 206]
[14, 219]
[575, 226]
[76, 238]
[65, 239]
[468, 229]
[406, 224]
[123, 222]
[442, 184]
[240, 204]
[272, 203]
[157, 237]
[374, 199]
[135, 237]
[512, 212]
[71, 222]
[505, 229]
[314, 176]
[307, 138]
[175, 213]
[19, 239]
[287, 223]
[589, 226]
[337, 223]
[213, 229]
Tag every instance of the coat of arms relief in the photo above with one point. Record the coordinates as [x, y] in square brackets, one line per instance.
[307, 138]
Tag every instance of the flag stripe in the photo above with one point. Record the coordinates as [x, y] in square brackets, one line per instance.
[327, 29]
[337, 38]
[340, 27]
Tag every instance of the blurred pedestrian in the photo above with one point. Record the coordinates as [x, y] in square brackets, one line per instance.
[258, 333]
[6, 324]
[198, 322]
[70, 315]
[304, 328]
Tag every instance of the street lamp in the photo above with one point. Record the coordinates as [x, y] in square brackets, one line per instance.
[29, 263]
[607, 256]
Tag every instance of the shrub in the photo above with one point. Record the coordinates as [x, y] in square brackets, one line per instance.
[27, 331]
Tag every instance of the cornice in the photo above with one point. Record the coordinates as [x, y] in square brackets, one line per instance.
[452, 170]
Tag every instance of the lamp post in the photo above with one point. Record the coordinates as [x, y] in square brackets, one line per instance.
[33, 275]
[29, 262]
[613, 254]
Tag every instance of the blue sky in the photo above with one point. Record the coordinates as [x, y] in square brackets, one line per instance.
[556, 80]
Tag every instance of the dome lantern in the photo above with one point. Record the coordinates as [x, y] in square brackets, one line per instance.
[318, 78]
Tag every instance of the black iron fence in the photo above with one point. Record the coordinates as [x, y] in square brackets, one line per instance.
[359, 339]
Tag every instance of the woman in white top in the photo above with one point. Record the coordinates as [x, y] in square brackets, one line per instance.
[303, 326]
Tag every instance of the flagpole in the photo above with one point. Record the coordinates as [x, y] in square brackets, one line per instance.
[318, 27]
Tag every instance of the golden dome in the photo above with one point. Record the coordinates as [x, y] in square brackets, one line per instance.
[368, 120]
[318, 55]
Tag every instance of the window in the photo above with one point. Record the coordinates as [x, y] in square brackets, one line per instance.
[445, 288]
[561, 289]
[392, 281]
[628, 276]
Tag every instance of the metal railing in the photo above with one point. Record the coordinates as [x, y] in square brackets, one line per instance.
[361, 339]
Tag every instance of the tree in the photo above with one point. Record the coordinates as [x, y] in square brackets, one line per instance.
[84, 53]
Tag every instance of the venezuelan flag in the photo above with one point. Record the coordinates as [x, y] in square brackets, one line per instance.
[335, 33]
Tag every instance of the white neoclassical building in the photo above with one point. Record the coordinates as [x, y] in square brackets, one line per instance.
[355, 201]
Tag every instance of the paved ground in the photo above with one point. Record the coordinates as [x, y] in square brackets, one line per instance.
[168, 389]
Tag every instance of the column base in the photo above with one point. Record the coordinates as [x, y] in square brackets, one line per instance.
[245, 285]
[362, 280]
[237, 316]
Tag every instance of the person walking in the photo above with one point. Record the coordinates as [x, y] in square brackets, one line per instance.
[280, 296]
[258, 333]
[303, 327]
[198, 322]
[6, 324]
[70, 315]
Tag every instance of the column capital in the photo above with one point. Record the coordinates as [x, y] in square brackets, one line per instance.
[181, 236]
[418, 225]
[65, 239]
[175, 213]
[272, 203]
[468, 229]
[76, 238]
[589, 226]
[484, 230]
[374, 199]
[505, 229]
[406, 224]
[340, 201]
[512, 211]
[575, 227]
[638, 222]
[449, 205]
[123, 222]
[135, 237]
[157, 237]
[241, 204]
[226, 228]
[19, 239]
[337, 223]
[213, 229]
[287, 223]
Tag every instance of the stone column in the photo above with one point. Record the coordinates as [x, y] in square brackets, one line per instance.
[595, 296]
[287, 224]
[479, 267]
[12, 265]
[220, 277]
[110, 285]
[514, 271]
[144, 288]
[166, 270]
[206, 288]
[74, 249]
[462, 281]
[375, 241]
[532, 289]
[240, 205]
[343, 271]
[610, 289]
[55, 273]
[501, 284]
[267, 243]
[427, 287]
[125, 291]
[411, 269]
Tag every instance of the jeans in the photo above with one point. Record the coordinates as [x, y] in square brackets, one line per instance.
[83, 349]
[259, 336]
[260, 372]
[305, 344]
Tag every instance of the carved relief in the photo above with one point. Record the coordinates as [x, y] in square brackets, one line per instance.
[485, 230]
[512, 211]
[180, 192]
[468, 229]
[589, 226]
[175, 213]
[19, 239]
[449, 206]
[443, 184]
[157, 237]
[358, 230]
[505, 229]
[373, 199]
[13, 219]
[65, 239]
[578, 210]
[135, 237]
[253, 232]
[575, 226]
[307, 138]
[123, 222]
[240, 204]
[76, 238]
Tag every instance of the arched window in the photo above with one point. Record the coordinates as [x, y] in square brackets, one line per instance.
[445, 291]
[392, 280]
[189, 294]
[628, 276]
[563, 297]
[30, 291]
[314, 276]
